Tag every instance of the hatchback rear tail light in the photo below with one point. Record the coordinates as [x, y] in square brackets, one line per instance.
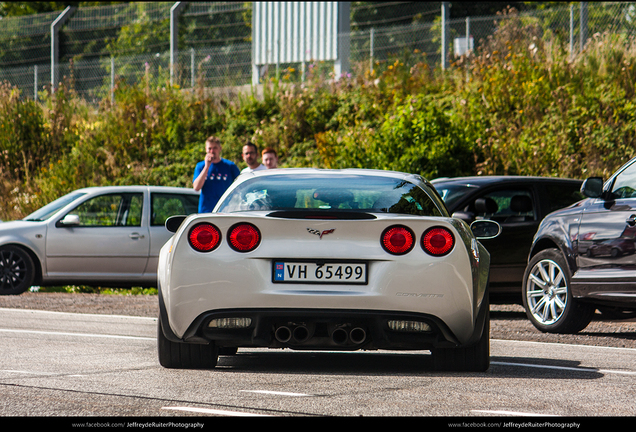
[244, 237]
[397, 240]
[438, 241]
[204, 237]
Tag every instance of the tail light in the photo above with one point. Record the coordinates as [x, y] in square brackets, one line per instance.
[204, 237]
[438, 241]
[244, 237]
[397, 240]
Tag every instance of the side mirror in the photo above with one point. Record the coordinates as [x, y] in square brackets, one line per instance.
[592, 187]
[485, 229]
[174, 222]
[70, 220]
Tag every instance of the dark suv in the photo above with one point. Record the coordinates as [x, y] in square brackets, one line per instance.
[582, 258]
[518, 203]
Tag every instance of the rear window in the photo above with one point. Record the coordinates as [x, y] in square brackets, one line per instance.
[453, 192]
[165, 205]
[330, 193]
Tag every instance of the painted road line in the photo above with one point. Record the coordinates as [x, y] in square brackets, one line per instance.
[215, 412]
[277, 393]
[93, 335]
[513, 413]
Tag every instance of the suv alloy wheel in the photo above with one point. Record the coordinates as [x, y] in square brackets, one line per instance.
[547, 296]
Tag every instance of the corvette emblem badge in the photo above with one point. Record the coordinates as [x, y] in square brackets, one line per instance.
[320, 233]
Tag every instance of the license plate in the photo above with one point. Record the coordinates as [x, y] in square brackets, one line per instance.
[354, 273]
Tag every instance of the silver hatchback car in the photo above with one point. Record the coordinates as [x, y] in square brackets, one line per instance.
[102, 236]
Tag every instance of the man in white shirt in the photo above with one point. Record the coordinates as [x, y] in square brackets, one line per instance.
[250, 154]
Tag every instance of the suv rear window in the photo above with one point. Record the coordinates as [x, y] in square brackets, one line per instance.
[330, 193]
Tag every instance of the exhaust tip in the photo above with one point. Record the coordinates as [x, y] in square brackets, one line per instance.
[301, 334]
[357, 335]
[339, 336]
[283, 334]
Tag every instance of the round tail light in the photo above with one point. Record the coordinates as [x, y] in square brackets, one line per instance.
[438, 241]
[397, 240]
[244, 237]
[204, 237]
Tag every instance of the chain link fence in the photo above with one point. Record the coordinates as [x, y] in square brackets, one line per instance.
[102, 46]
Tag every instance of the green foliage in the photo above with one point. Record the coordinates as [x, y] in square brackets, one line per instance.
[84, 289]
[521, 105]
[536, 111]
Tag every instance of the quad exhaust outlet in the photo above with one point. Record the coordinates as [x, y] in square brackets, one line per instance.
[341, 335]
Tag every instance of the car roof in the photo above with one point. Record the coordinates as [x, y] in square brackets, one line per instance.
[484, 180]
[137, 188]
[333, 172]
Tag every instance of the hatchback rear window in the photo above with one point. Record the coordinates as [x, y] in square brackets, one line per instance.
[330, 193]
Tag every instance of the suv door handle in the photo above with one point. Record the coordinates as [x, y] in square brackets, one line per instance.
[136, 236]
[631, 221]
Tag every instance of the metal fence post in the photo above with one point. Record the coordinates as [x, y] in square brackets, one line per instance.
[174, 35]
[445, 15]
[341, 65]
[571, 31]
[35, 83]
[583, 25]
[55, 44]
[192, 71]
[467, 34]
[371, 37]
[468, 48]
[112, 79]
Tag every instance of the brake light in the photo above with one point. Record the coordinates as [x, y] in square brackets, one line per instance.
[204, 237]
[244, 237]
[397, 240]
[438, 241]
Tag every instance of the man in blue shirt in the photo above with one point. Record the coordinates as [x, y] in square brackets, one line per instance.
[213, 175]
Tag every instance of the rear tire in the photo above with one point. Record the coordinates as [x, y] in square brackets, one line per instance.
[181, 355]
[474, 358]
[17, 271]
[547, 296]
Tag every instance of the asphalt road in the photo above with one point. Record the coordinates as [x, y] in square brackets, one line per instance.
[103, 368]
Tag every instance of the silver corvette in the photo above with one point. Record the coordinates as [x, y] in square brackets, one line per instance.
[313, 259]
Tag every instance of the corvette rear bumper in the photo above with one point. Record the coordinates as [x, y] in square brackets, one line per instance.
[316, 329]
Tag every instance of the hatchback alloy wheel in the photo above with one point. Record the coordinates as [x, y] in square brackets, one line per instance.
[16, 270]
